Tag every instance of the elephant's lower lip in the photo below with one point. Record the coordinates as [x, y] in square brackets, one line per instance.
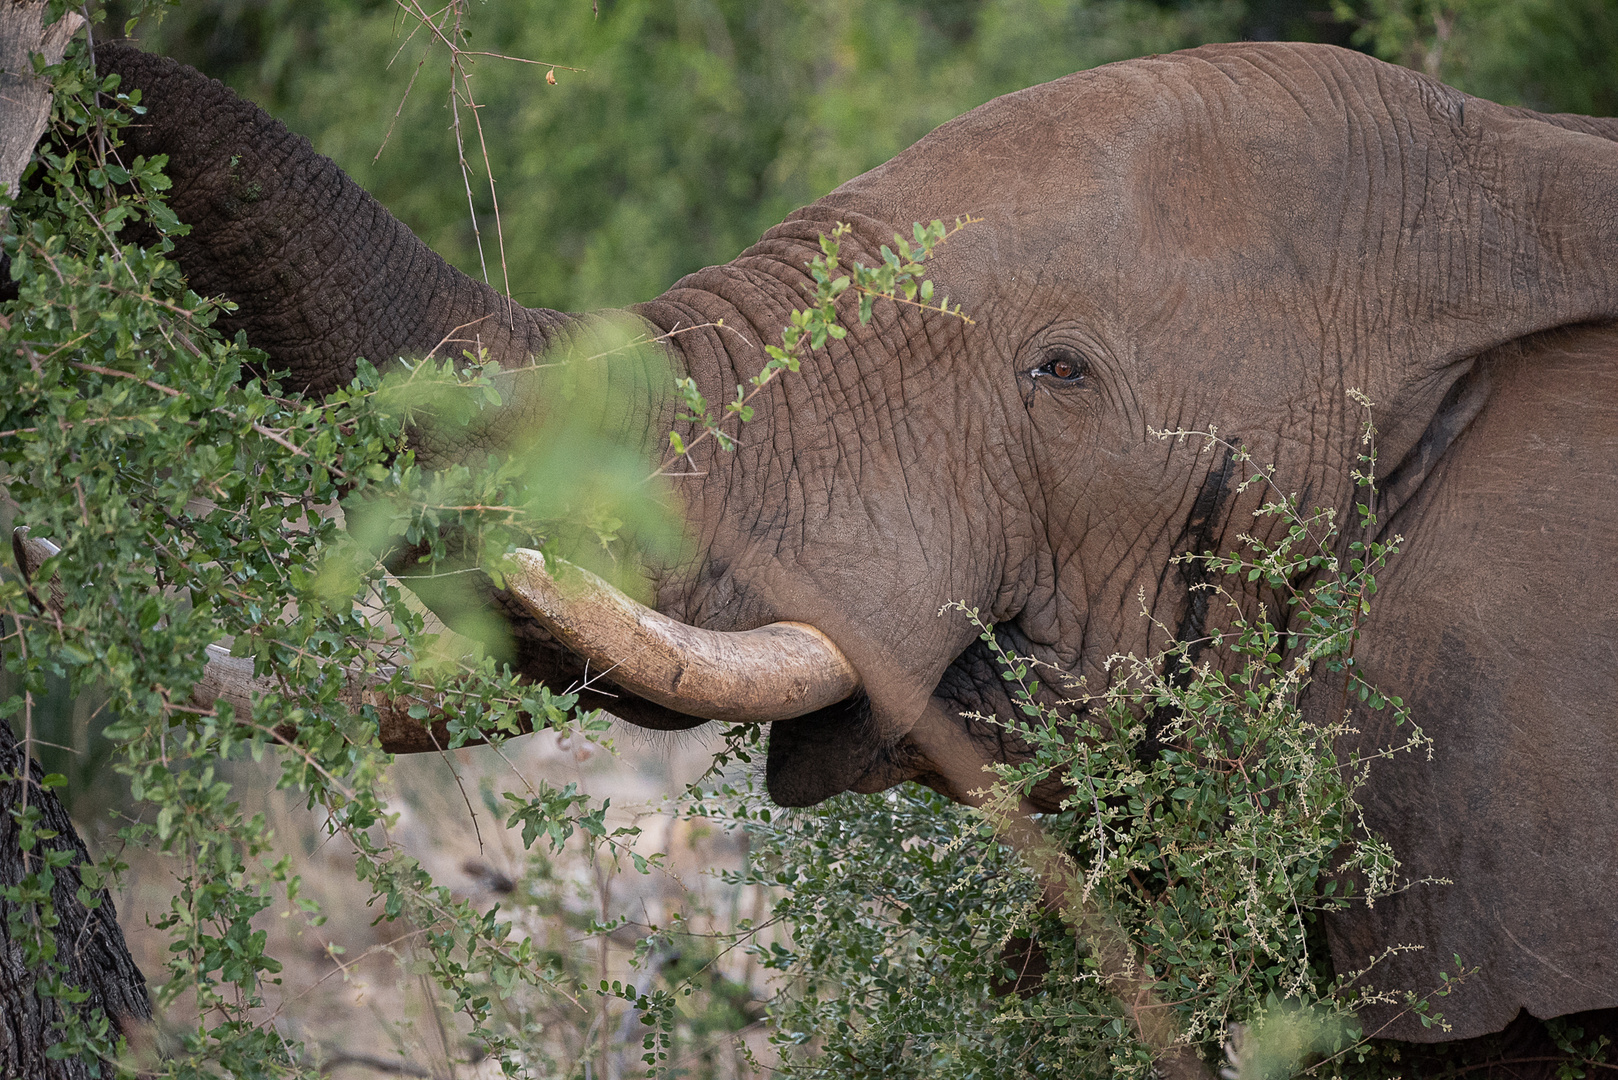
[813, 757]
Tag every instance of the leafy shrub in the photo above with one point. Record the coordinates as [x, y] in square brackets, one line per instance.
[1211, 822]
[191, 503]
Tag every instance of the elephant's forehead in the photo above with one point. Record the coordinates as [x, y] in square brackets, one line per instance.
[1198, 156]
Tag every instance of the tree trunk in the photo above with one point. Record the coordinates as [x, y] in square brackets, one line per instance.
[25, 101]
[90, 944]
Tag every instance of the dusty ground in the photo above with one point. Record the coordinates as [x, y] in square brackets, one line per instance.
[348, 991]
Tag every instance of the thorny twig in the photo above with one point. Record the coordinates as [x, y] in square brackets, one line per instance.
[449, 32]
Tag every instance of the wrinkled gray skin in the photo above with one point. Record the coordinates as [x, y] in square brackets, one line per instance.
[1231, 236]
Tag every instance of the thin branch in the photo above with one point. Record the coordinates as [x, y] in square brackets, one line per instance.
[406, 97]
[97, 369]
[519, 60]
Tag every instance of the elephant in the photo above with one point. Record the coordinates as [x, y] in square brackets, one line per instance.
[1236, 235]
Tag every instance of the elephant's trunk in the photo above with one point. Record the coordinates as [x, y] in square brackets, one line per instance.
[322, 273]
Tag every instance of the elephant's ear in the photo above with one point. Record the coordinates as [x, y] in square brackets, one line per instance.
[1496, 622]
[1532, 240]
[1515, 234]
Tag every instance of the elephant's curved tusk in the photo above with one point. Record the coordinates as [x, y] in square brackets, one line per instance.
[774, 672]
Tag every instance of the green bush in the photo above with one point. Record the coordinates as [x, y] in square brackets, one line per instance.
[190, 502]
[1189, 868]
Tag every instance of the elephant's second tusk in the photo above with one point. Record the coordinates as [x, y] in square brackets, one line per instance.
[774, 672]
[230, 678]
[31, 553]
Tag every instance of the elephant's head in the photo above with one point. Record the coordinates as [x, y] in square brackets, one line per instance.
[1231, 237]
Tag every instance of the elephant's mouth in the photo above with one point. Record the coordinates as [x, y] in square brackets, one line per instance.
[822, 754]
[823, 739]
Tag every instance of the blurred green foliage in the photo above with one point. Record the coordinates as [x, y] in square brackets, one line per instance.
[692, 128]
[1552, 55]
[694, 125]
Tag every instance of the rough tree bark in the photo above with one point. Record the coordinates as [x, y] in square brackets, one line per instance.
[89, 942]
[25, 101]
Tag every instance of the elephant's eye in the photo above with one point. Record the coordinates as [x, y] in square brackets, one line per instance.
[1064, 367]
